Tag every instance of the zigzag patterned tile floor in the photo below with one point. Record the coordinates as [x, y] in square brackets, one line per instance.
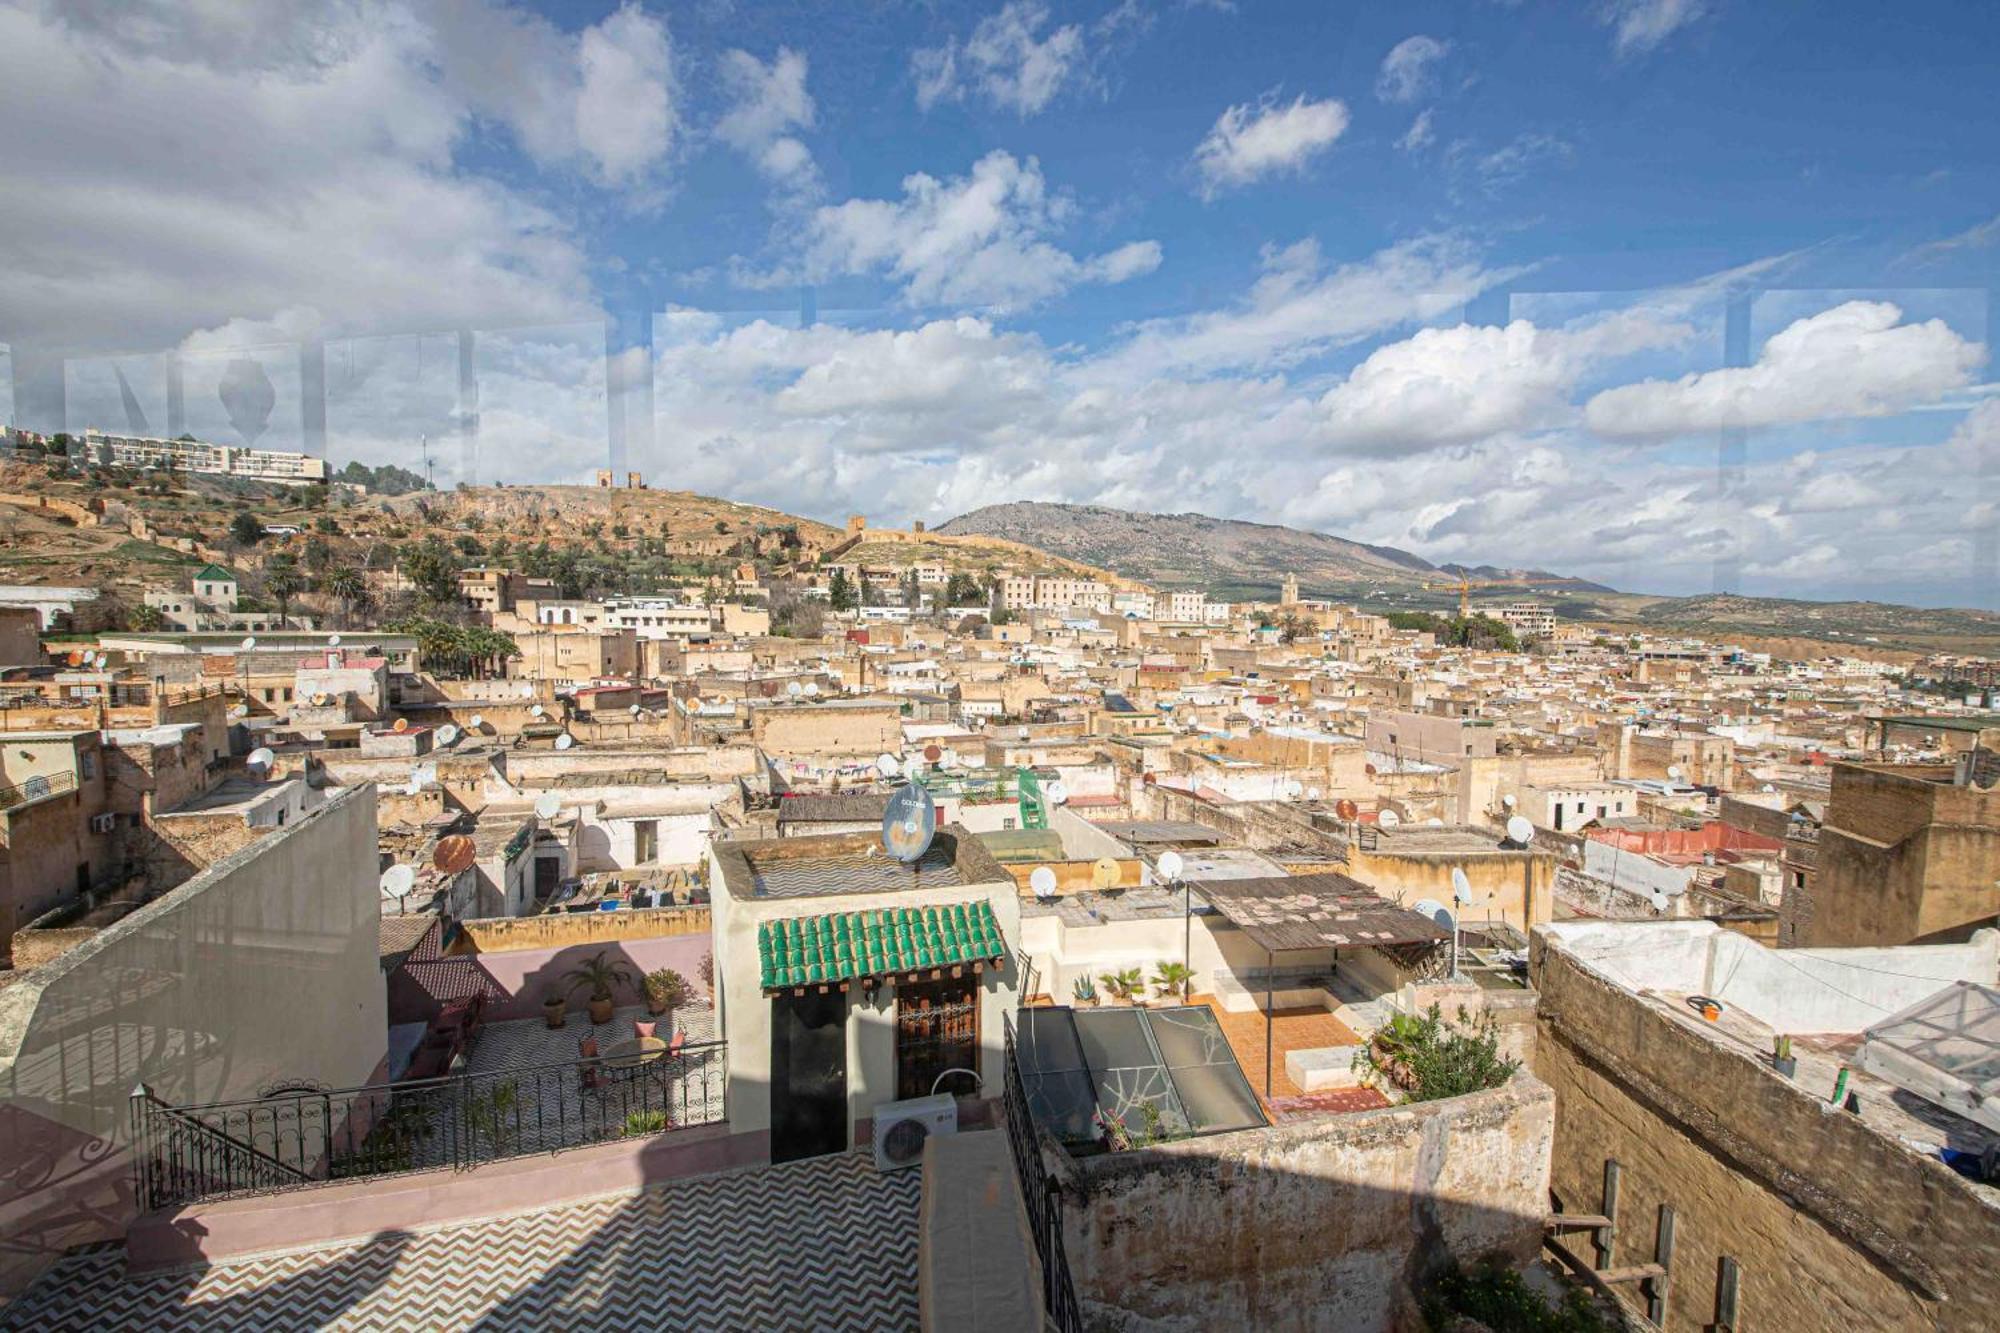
[820, 1244]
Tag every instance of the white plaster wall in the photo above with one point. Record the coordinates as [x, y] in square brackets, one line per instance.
[1841, 990]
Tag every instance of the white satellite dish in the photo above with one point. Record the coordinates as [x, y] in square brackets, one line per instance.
[240, 710]
[1433, 822]
[1769, 788]
[888, 765]
[333, 641]
[1435, 910]
[261, 758]
[1520, 830]
[1043, 882]
[1461, 887]
[1312, 793]
[1508, 800]
[1057, 793]
[794, 689]
[1388, 819]
[634, 710]
[447, 734]
[812, 687]
[564, 741]
[1170, 866]
[1659, 901]
[478, 721]
[548, 805]
[398, 880]
[536, 711]
[1674, 772]
[249, 642]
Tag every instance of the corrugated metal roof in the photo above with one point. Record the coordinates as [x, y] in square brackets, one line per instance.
[1316, 912]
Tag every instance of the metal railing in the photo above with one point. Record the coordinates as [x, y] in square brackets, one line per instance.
[295, 1140]
[35, 788]
[1042, 1195]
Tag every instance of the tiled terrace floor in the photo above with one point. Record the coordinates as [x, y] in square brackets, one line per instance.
[1291, 1029]
[826, 1243]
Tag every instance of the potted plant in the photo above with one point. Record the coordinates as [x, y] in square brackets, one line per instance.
[1085, 992]
[705, 969]
[553, 1006]
[1782, 1058]
[601, 975]
[666, 991]
[1172, 980]
[1124, 984]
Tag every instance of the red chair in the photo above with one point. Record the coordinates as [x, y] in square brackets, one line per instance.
[592, 1075]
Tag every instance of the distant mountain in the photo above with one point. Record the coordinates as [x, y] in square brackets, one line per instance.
[1226, 556]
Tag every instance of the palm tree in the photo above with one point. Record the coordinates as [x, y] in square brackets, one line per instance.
[601, 974]
[350, 587]
[283, 581]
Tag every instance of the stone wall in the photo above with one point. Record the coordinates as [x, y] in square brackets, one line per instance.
[1328, 1223]
[1833, 1225]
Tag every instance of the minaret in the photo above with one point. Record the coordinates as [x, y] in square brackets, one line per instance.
[1288, 595]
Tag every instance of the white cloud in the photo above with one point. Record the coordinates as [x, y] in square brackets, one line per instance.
[324, 179]
[1004, 61]
[982, 239]
[625, 115]
[1976, 237]
[1420, 134]
[1638, 26]
[1855, 360]
[1409, 70]
[1249, 142]
[769, 102]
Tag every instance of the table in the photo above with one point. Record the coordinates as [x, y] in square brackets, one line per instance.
[633, 1053]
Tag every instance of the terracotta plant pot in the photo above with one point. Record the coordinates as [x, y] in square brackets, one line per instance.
[600, 1011]
[654, 1007]
[554, 1012]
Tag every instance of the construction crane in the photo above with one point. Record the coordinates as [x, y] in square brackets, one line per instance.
[1465, 585]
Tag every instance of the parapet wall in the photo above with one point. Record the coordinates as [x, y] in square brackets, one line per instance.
[1329, 1223]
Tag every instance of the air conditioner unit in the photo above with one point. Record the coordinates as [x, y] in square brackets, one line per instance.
[902, 1127]
[103, 823]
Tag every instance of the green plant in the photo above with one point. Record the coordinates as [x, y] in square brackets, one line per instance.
[490, 1115]
[667, 990]
[1498, 1298]
[644, 1122]
[705, 969]
[1430, 1061]
[1083, 990]
[1124, 984]
[1172, 979]
[602, 974]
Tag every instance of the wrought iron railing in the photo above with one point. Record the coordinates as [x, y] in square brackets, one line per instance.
[1042, 1195]
[35, 788]
[297, 1139]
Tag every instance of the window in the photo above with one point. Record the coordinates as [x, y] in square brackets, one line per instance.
[87, 763]
[645, 841]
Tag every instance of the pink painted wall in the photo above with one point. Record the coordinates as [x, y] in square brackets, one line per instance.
[523, 974]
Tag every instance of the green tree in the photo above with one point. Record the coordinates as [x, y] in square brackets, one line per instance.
[963, 590]
[840, 593]
[282, 582]
[246, 529]
[347, 584]
[433, 568]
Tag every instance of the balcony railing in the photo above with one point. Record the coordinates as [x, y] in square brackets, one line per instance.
[293, 1140]
[35, 789]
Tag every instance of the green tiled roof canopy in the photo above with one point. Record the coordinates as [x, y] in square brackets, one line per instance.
[841, 946]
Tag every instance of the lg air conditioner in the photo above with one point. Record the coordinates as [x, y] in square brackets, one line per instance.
[901, 1128]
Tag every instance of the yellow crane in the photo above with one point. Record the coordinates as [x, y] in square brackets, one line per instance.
[1465, 586]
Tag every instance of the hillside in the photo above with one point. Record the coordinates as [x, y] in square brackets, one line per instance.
[558, 513]
[1871, 624]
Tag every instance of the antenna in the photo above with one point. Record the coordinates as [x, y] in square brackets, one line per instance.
[548, 805]
[909, 824]
[1043, 882]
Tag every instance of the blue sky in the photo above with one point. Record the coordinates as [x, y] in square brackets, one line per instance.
[1457, 278]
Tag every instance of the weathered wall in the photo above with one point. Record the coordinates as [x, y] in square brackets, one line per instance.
[1319, 1224]
[1834, 1226]
[1901, 859]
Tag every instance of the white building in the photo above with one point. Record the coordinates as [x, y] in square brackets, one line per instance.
[1530, 620]
[138, 451]
[1185, 606]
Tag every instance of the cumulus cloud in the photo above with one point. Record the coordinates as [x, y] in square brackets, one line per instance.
[625, 114]
[1409, 70]
[982, 239]
[1251, 141]
[1856, 360]
[769, 102]
[1638, 26]
[1005, 62]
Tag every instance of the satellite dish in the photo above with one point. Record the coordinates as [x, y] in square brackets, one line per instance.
[1057, 793]
[1346, 809]
[564, 741]
[454, 854]
[1435, 910]
[1312, 793]
[321, 699]
[249, 642]
[548, 805]
[812, 688]
[634, 710]
[402, 725]
[1043, 882]
[1520, 830]
[888, 765]
[526, 691]
[1292, 789]
[333, 641]
[1388, 819]
[1170, 865]
[1659, 900]
[1674, 772]
[909, 824]
[240, 710]
[1769, 788]
[398, 880]
[1433, 822]
[1508, 800]
[447, 734]
[932, 754]
[537, 711]
[261, 758]
[478, 722]
[1105, 872]
[794, 689]
[1461, 887]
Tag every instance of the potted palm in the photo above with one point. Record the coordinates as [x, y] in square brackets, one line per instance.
[553, 1005]
[666, 991]
[1172, 980]
[601, 975]
[1085, 993]
[1124, 984]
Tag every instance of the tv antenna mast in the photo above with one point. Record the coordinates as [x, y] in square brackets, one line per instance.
[424, 443]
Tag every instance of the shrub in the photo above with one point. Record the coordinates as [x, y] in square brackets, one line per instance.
[1430, 1061]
